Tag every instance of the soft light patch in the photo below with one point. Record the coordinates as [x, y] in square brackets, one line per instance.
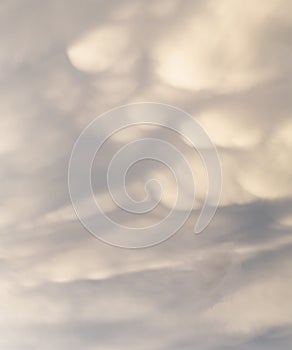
[105, 48]
[216, 48]
[230, 129]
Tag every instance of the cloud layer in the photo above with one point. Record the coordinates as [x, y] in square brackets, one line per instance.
[226, 63]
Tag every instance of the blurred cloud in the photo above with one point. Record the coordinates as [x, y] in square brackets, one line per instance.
[226, 63]
[103, 49]
[217, 47]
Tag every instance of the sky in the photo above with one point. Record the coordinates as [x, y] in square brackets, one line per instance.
[227, 63]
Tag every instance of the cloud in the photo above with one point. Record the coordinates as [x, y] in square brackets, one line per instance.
[102, 49]
[229, 65]
[214, 48]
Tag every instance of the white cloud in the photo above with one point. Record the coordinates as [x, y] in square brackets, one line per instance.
[105, 48]
[216, 47]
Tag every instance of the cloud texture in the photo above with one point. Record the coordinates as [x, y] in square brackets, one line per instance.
[229, 64]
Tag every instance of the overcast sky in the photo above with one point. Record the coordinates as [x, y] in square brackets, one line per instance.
[228, 63]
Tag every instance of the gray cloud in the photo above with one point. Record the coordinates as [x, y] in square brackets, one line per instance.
[64, 63]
